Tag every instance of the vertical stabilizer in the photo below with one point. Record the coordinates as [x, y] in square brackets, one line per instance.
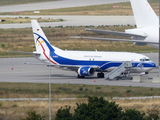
[143, 13]
[41, 41]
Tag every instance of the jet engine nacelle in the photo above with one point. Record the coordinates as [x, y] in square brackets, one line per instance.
[86, 71]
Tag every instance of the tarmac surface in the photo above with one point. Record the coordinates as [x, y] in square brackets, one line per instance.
[56, 4]
[13, 70]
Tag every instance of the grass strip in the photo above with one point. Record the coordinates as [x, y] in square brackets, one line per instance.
[26, 20]
[15, 109]
[39, 90]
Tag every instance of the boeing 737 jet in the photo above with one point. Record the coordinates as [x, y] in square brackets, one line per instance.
[147, 31]
[85, 63]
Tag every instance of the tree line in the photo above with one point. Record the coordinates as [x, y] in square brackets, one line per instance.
[97, 109]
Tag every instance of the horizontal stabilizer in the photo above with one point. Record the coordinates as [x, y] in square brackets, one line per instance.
[31, 63]
[29, 53]
[111, 39]
[115, 33]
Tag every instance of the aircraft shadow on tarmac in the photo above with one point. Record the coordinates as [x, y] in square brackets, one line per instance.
[58, 76]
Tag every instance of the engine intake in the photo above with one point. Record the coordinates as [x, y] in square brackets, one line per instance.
[86, 71]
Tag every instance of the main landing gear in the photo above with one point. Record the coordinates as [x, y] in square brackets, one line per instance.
[79, 76]
[100, 75]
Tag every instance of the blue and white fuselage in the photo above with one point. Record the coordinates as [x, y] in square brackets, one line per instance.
[85, 63]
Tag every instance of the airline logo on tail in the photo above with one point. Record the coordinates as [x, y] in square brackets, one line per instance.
[42, 45]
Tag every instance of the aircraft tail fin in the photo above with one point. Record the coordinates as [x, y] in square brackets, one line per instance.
[41, 42]
[143, 13]
[40, 38]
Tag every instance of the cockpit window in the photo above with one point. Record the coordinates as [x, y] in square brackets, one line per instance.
[145, 59]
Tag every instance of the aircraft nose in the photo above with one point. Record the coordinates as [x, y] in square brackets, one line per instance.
[151, 65]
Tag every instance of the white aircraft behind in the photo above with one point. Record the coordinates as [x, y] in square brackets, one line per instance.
[85, 63]
[147, 22]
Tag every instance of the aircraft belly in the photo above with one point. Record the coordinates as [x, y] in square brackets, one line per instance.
[139, 69]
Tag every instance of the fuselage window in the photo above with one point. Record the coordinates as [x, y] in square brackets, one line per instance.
[141, 59]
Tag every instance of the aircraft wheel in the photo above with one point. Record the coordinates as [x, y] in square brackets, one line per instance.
[146, 72]
[100, 75]
[79, 76]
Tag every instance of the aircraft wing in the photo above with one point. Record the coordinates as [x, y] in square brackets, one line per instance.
[111, 39]
[115, 33]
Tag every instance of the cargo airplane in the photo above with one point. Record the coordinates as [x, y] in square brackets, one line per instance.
[147, 31]
[85, 63]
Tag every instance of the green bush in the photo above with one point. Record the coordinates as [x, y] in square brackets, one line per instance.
[98, 87]
[99, 109]
[64, 114]
[0, 104]
[2, 45]
[81, 89]
[14, 105]
[128, 91]
[32, 115]
[132, 114]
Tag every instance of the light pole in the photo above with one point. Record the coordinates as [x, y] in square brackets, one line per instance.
[50, 96]
[159, 38]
